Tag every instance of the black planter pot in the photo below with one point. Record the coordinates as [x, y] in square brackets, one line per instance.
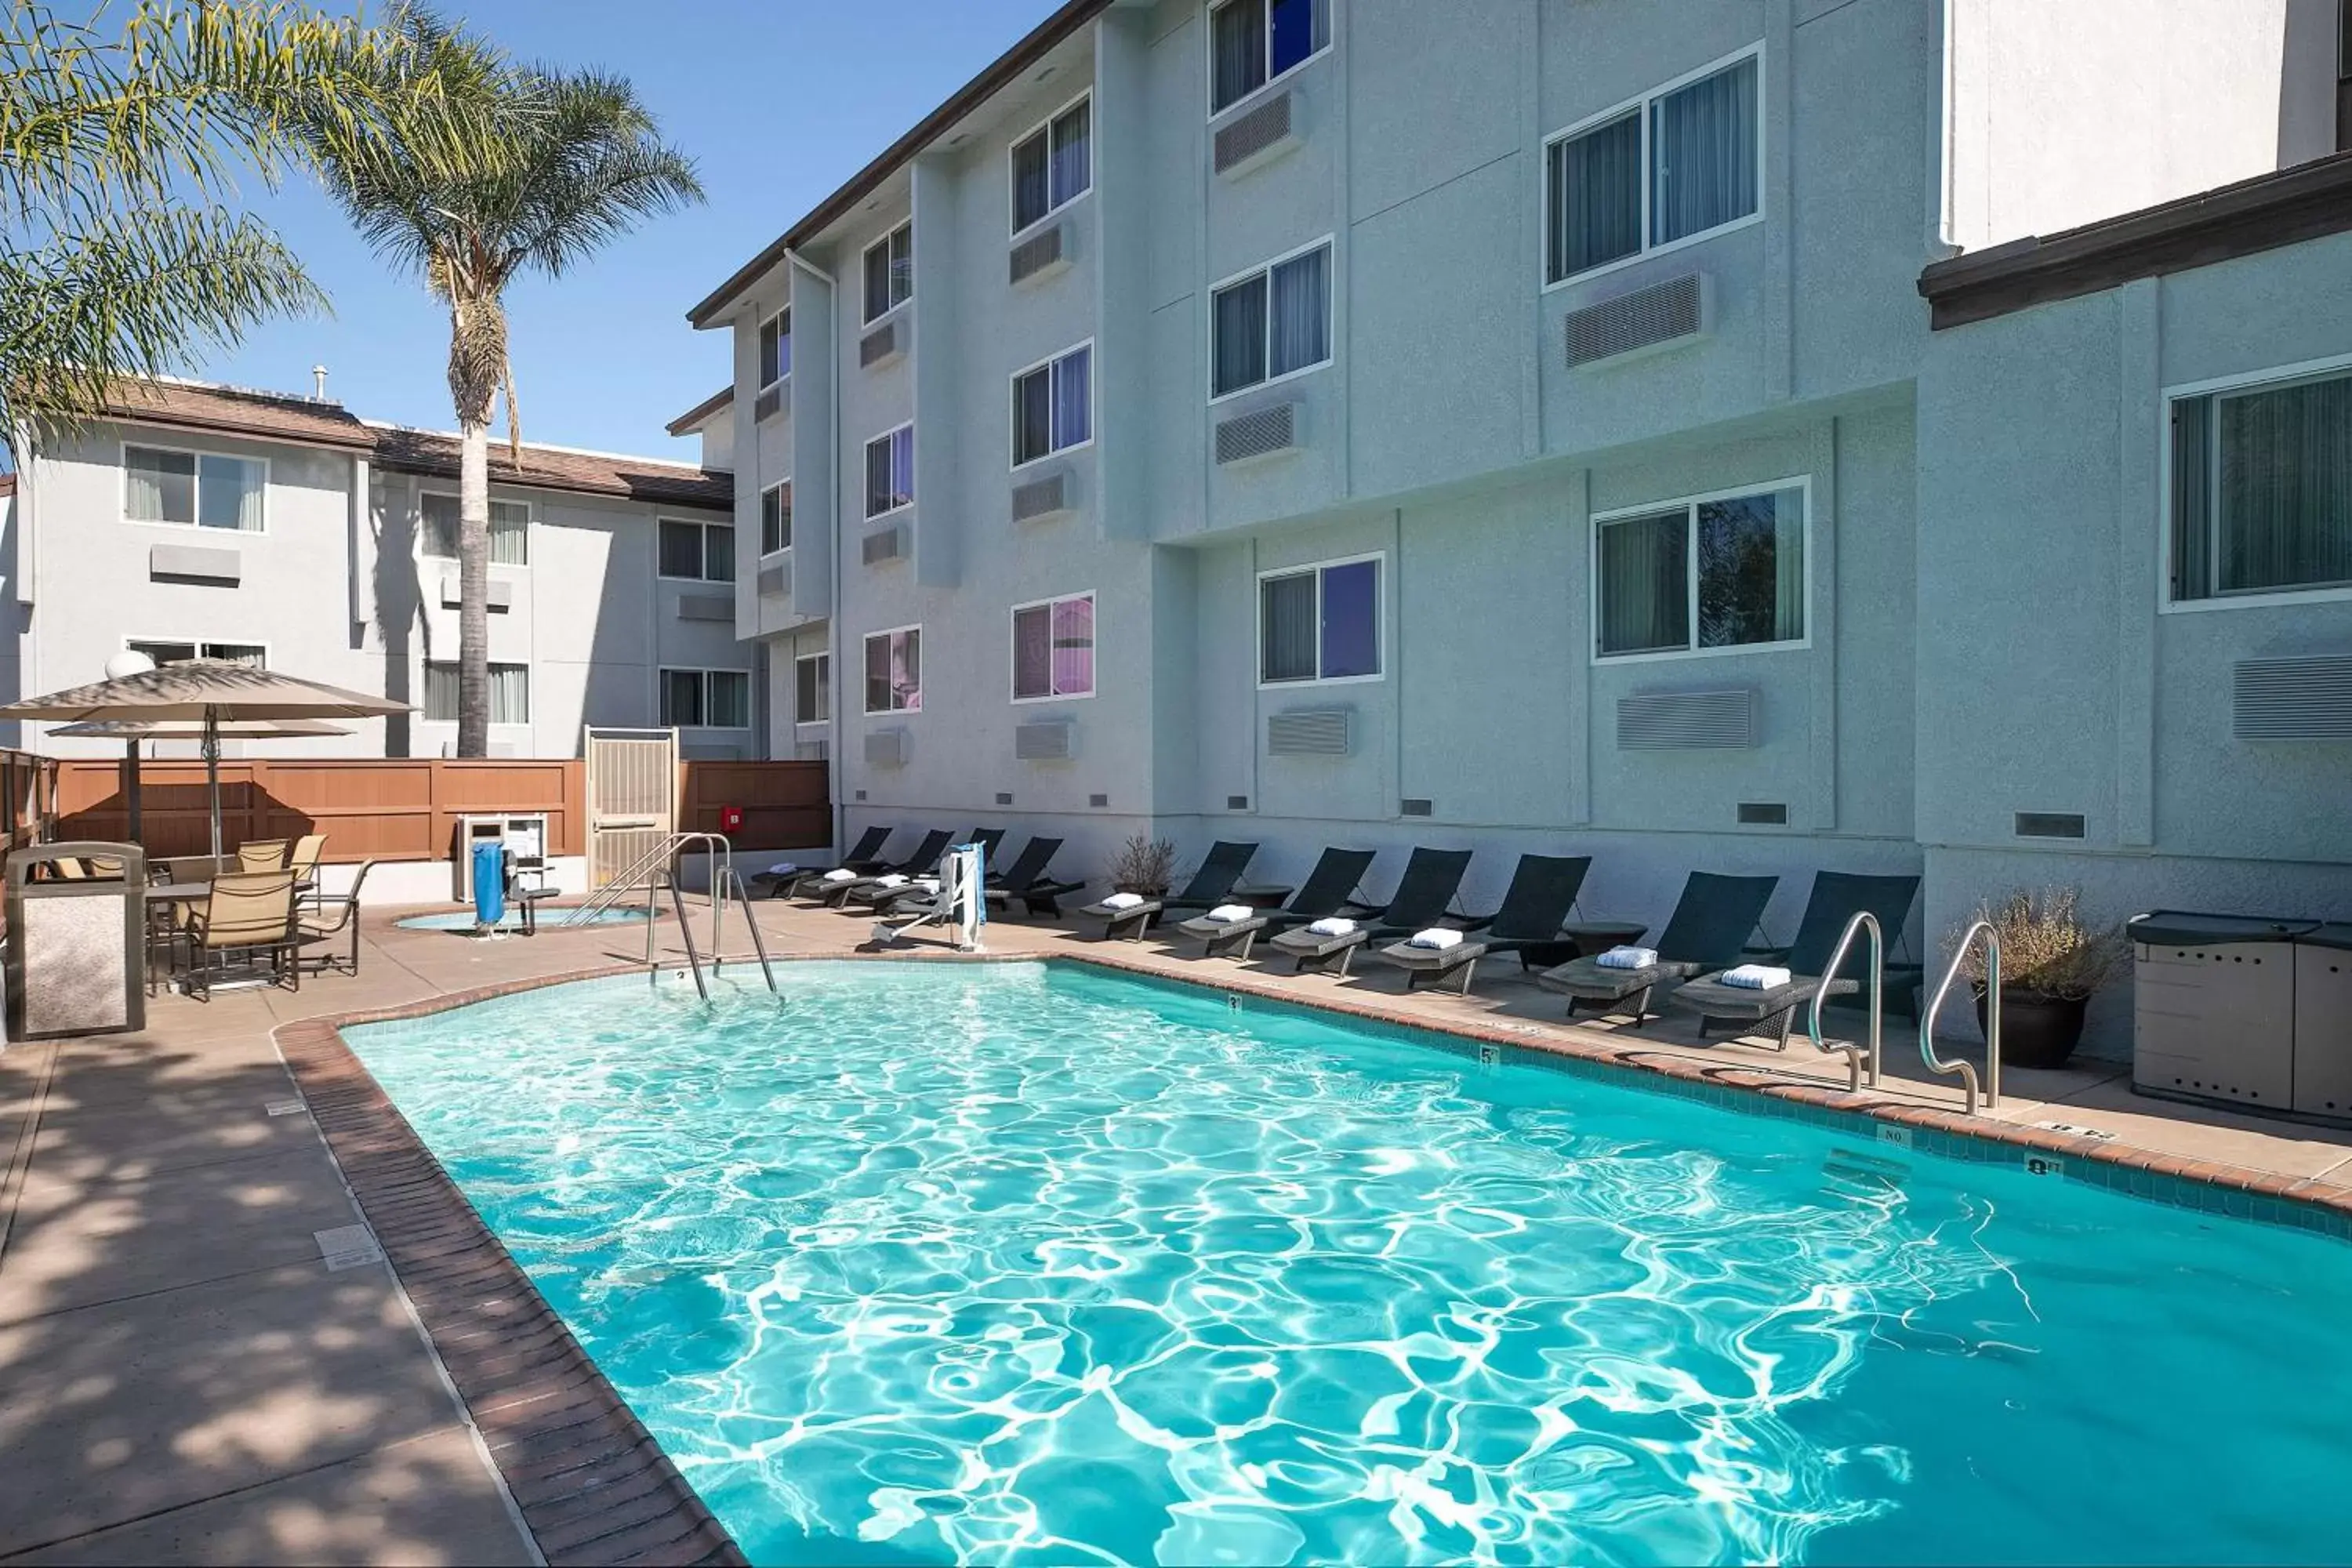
[2036, 1031]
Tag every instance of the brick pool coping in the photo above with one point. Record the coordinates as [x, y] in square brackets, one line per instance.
[594, 1487]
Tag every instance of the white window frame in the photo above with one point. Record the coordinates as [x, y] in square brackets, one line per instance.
[703, 673]
[2305, 369]
[1209, 58]
[824, 686]
[1640, 105]
[529, 691]
[866, 452]
[529, 520]
[1012, 649]
[705, 525]
[195, 489]
[1380, 624]
[761, 326]
[1330, 318]
[868, 314]
[199, 644]
[1690, 505]
[1012, 173]
[765, 553]
[915, 628]
[1052, 407]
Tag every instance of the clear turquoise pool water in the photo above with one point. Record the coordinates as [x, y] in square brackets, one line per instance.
[1019, 1263]
[549, 919]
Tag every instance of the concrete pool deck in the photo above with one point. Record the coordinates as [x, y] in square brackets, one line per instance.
[200, 1362]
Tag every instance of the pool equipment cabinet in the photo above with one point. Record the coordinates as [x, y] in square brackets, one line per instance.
[525, 833]
[2322, 1022]
[78, 945]
[2241, 1011]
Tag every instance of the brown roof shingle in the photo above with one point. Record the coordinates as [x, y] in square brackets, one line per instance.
[232, 411]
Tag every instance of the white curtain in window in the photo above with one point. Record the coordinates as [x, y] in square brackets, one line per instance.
[1703, 148]
[1596, 197]
[1644, 582]
[228, 493]
[1287, 627]
[1302, 312]
[441, 693]
[510, 694]
[1072, 398]
[509, 533]
[2286, 487]
[159, 487]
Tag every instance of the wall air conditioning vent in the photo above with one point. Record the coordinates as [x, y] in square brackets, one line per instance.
[776, 580]
[1258, 137]
[1265, 432]
[883, 345]
[1099, 802]
[1047, 741]
[2050, 824]
[1416, 806]
[1764, 814]
[1309, 732]
[1655, 316]
[1003, 798]
[885, 545]
[769, 403]
[1040, 255]
[1236, 803]
[706, 608]
[1049, 495]
[2304, 698]
[196, 563]
[453, 593]
[887, 748]
[1686, 721]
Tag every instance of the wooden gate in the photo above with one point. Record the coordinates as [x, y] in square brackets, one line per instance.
[632, 797]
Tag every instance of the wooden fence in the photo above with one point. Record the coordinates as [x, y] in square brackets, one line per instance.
[407, 808]
[28, 787]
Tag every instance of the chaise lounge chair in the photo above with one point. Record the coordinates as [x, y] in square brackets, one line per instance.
[1432, 878]
[1328, 889]
[1024, 878]
[1709, 926]
[924, 885]
[1225, 863]
[1542, 892]
[834, 891]
[1837, 896]
[784, 879]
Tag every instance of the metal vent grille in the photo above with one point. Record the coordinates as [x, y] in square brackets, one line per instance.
[1764, 814]
[1416, 806]
[1255, 136]
[1309, 732]
[1236, 803]
[766, 405]
[886, 748]
[1003, 798]
[880, 346]
[706, 608]
[1098, 800]
[1038, 256]
[2305, 698]
[1686, 721]
[2050, 824]
[1047, 496]
[1643, 319]
[1047, 741]
[195, 563]
[887, 544]
[777, 580]
[1261, 433]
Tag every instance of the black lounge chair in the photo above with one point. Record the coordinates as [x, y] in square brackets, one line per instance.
[835, 895]
[1543, 890]
[1024, 878]
[1328, 889]
[1837, 896]
[1710, 927]
[1424, 894]
[884, 900]
[783, 880]
[1225, 863]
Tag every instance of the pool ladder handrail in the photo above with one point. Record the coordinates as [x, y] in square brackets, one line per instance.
[1966, 1070]
[743, 895]
[1856, 1056]
[649, 866]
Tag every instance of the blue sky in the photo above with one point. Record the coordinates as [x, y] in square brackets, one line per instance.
[778, 102]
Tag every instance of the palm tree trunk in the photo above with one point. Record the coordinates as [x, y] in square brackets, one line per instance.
[474, 590]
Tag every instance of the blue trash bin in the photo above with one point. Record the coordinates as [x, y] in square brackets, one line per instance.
[489, 883]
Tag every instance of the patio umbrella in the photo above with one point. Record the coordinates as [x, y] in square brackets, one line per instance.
[206, 692]
[131, 732]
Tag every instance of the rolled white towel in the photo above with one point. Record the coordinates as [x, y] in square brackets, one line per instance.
[1437, 939]
[840, 874]
[1226, 914]
[783, 868]
[927, 884]
[1122, 901]
[1331, 925]
[1755, 977]
[890, 879]
[1628, 958]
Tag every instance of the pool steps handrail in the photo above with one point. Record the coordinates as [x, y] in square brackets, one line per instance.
[686, 932]
[1966, 1071]
[1856, 1056]
[654, 868]
[741, 892]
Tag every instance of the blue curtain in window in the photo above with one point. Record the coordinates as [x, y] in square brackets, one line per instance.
[1240, 329]
[1072, 398]
[1032, 186]
[1302, 312]
[1596, 197]
[1073, 154]
[1295, 29]
[1033, 417]
[2286, 487]
[1702, 143]
[1351, 619]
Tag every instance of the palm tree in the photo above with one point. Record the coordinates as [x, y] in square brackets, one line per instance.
[526, 169]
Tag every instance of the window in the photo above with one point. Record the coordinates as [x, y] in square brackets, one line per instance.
[1052, 165]
[1680, 163]
[1729, 568]
[890, 271]
[775, 348]
[894, 671]
[776, 518]
[509, 693]
[706, 699]
[1272, 322]
[813, 689]
[1054, 650]
[1053, 406]
[891, 471]
[1251, 42]
[200, 489]
[2261, 488]
[698, 551]
[165, 653]
[1320, 623]
[510, 529]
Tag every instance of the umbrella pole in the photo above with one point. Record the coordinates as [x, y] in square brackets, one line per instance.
[211, 774]
[131, 787]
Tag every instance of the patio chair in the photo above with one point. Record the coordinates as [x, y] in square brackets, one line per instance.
[1543, 890]
[1424, 895]
[1837, 896]
[785, 877]
[926, 883]
[834, 893]
[1709, 925]
[1328, 889]
[246, 912]
[323, 916]
[1227, 861]
[1026, 879]
[303, 859]
[262, 855]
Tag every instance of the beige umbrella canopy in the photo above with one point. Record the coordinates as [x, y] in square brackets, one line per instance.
[229, 730]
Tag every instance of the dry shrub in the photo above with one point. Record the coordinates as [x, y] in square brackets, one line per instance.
[2046, 945]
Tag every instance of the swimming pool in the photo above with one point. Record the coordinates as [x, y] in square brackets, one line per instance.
[1030, 1263]
[552, 917]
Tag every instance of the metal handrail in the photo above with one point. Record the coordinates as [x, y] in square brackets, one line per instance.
[1966, 1070]
[605, 897]
[717, 845]
[1854, 1055]
[758, 943]
[686, 934]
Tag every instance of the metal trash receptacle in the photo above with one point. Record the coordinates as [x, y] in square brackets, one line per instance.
[2322, 1022]
[77, 945]
[2213, 1002]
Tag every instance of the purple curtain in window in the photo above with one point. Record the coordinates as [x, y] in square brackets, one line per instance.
[1351, 619]
[1072, 398]
[1074, 648]
[907, 670]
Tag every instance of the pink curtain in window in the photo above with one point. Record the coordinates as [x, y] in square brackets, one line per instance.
[1074, 648]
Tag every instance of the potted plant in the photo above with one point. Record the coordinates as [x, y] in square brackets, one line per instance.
[1144, 865]
[2051, 962]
